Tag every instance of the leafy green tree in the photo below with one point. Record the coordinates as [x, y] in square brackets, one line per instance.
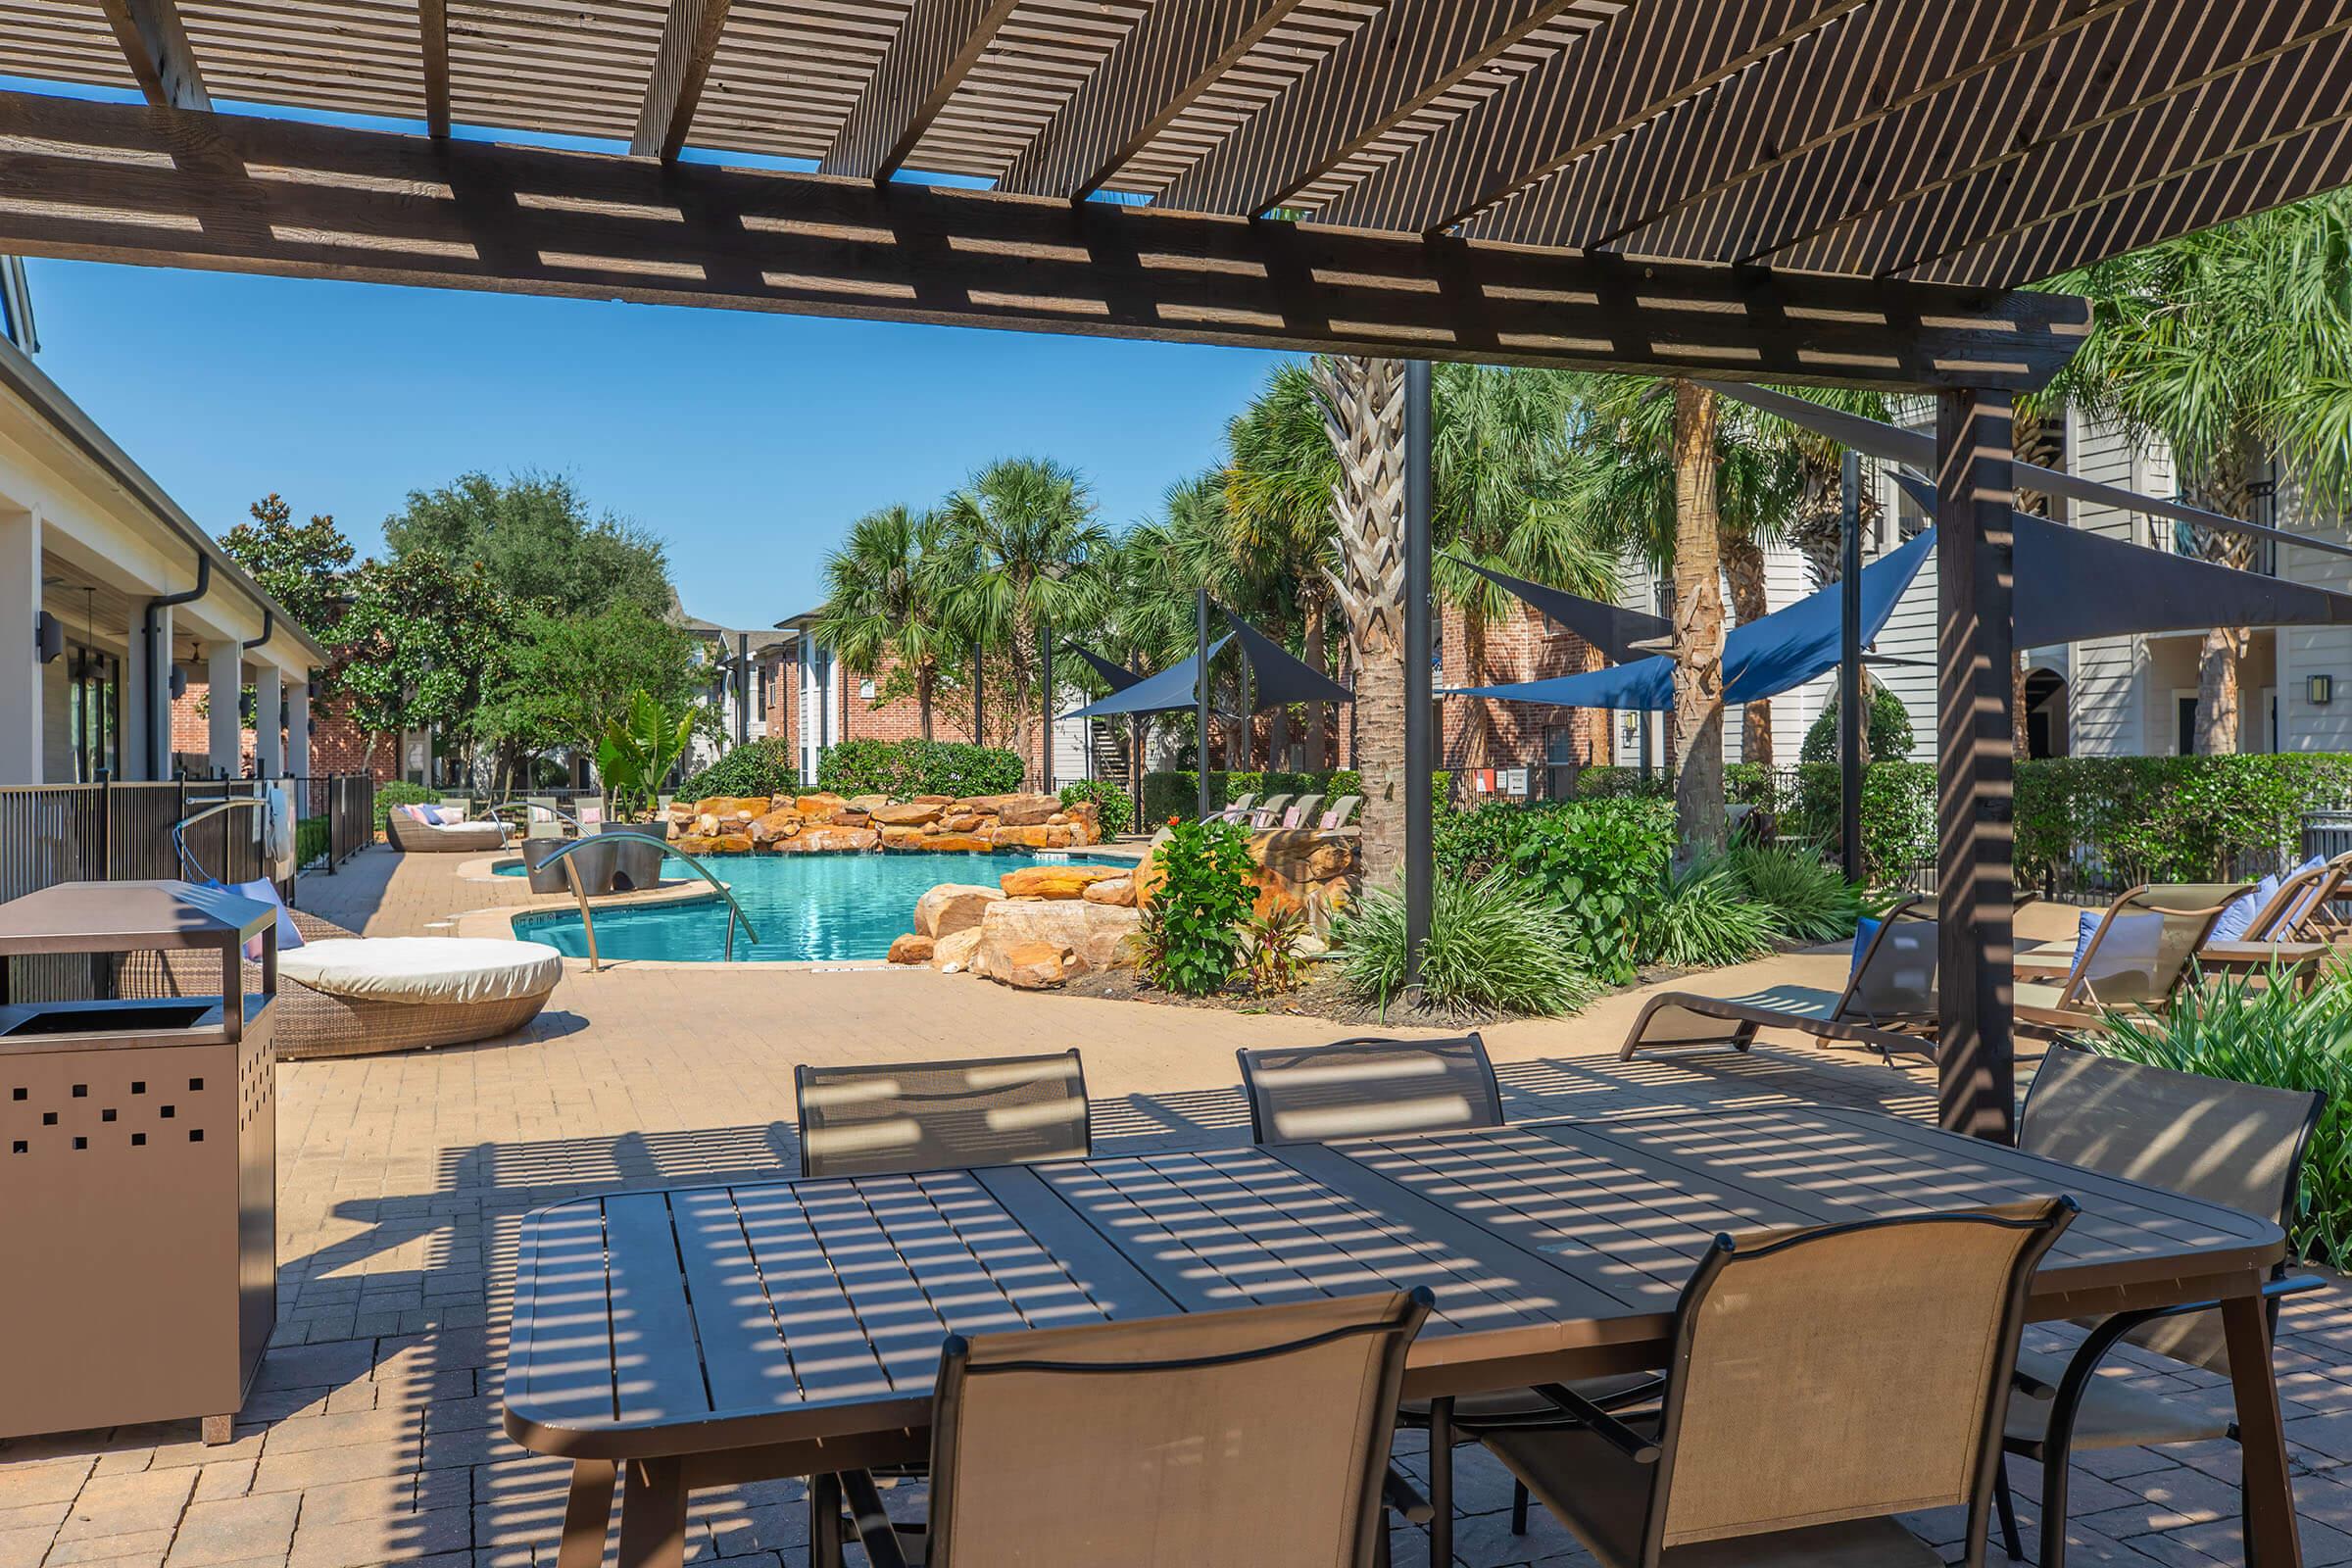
[567, 677]
[885, 604]
[1022, 550]
[534, 535]
[424, 638]
[304, 567]
[2234, 346]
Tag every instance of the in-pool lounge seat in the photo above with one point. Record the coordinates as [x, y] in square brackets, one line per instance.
[344, 995]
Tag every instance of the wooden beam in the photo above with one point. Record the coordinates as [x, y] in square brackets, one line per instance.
[1154, 73]
[432, 42]
[689, 43]
[1394, 64]
[122, 182]
[156, 45]
[1975, 733]
[1653, 56]
[935, 49]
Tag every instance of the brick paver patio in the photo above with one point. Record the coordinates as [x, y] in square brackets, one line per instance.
[373, 1435]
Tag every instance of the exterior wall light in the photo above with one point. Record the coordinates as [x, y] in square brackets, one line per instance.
[2322, 690]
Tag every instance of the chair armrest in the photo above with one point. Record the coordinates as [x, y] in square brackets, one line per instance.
[1604, 1426]
[875, 1531]
[2102, 1339]
[1398, 1493]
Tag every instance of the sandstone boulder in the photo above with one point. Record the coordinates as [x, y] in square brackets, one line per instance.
[695, 843]
[851, 816]
[913, 948]
[732, 808]
[1052, 881]
[826, 838]
[705, 826]
[903, 838]
[952, 907]
[933, 800]
[961, 843]
[867, 803]
[1013, 811]
[1091, 931]
[952, 953]
[820, 807]
[776, 826]
[729, 844]
[1036, 966]
[1116, 889]
[961, 821]
[913, 814]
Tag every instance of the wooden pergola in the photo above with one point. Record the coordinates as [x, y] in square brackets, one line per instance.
[1822, 191]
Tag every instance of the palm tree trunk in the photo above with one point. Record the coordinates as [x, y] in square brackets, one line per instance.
[1318, 714]
[1743, 569]
[1478, 724]
[1697, 624]
[1363, 412]
[2228, 489]
[926, 691]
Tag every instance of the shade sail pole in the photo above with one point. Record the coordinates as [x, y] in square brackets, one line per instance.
[1849, 667]
[1974, 736]
[1045, 741]
[1419, 872]
[979, 706]
[1200, 693]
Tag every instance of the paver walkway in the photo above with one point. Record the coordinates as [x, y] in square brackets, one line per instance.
[373, 1437]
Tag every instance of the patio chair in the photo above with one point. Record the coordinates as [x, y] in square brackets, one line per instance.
[1268, 814]
[2298, 908]
[1303, 812]
[1889, 989]
[872, 1120]
[1824, 1381]
[1245, 1437]
[2134, 957]
[2240, 1145]
[1341, 812]
[1235, 811]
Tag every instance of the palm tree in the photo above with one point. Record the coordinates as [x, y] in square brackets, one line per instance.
[1280, 473]
[1364, 412]
[1023, 551]
[882, 600]
[2234, 346]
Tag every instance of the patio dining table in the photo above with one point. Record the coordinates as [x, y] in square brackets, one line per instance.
[708, 1336]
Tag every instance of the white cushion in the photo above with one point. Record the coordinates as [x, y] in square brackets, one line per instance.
[426, 969]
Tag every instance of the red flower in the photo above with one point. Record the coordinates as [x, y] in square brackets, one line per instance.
[1172, 821]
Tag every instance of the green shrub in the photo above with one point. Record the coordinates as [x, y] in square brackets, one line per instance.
[2226, 1028]
[1898, 814]
[1495, 945]
[1178, 793]
[2169, 818]
[1805, 897]
[1112, 803]
[1889, 727]
[1702, 918]
[314, 840]
[904, 770]
[1598, 861]
[1191, 933]
[399, 792]
[764, 767]
[1610, 782]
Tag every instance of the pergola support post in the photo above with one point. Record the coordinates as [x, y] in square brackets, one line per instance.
[1850, 709]
[1200, 697]
[1419, 750]
[1974, 747]
[1045, 741]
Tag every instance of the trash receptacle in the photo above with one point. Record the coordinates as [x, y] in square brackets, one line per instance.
[2326, 834]
[138, 1168]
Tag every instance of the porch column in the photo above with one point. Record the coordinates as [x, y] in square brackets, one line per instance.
[1974, 733]
[298, 729]
[20, 658]
[268, 750]
[225, 677]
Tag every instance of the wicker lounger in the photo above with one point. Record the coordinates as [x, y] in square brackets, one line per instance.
[412, 837]
[315, 1023]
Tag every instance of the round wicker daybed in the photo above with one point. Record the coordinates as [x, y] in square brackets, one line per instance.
[344, 995]
[412, 837]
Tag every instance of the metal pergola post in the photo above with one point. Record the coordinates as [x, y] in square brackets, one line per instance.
[979, 705]
[1045, 740]
[1419, 845]
[1974, 738]
[1200, 694]
[1849, 667]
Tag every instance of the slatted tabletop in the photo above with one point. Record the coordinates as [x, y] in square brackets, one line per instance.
[706, 1319]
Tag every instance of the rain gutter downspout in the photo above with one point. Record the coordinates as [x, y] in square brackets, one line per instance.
[156, 738]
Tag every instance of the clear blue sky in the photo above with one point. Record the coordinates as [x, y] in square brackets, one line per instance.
[749, 442]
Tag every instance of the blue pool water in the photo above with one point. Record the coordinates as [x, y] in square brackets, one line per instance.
[804, 906]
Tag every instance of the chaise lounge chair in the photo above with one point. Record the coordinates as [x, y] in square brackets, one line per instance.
[1891, 990]
[2133, 956]
[411, 831]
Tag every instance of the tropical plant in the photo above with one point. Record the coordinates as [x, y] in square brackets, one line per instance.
[1021, 550]
[765, 768]
[638, 750]
[2233, 345]
[1887, 735]
[883, 604]
[2275, 1034]
[1192, 927]
[1596, 862]
[1495, 945]
[1803, 896]
[1112, 807]
[1702, 917]
[1273, 957]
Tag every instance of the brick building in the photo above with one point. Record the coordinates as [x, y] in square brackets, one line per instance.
[338, 745]
[1484, 742]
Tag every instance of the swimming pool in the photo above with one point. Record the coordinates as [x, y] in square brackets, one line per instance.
[827, 907]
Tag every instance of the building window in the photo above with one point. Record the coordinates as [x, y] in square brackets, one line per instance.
[95, 712]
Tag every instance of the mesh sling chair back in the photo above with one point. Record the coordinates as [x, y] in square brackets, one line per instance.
[1823, 1380]
[2137, 956]
[1368, 1086]
[871, 1120]
[2239, 1144]
[1230, 1438]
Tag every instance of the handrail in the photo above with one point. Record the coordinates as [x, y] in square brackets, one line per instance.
[588, 921]
[179, 847]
